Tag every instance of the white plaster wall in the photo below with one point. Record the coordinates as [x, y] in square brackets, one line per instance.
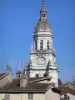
[47, 57]
[40, 73]
[50, 95]
[54, 75]
[72, 97]
[2, 96]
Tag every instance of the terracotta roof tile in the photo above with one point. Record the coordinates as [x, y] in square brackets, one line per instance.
[15, 86]
[30, 86]
[67, 90]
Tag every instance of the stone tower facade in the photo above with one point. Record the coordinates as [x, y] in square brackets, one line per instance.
[42, 55]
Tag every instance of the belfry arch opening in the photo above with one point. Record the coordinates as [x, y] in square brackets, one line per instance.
[48, 43]
[41, 45]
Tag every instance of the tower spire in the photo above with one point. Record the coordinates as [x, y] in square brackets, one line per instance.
[42, 2]
[43, 12]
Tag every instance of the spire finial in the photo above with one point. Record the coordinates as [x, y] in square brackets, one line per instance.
[42, 2]
[43, 11]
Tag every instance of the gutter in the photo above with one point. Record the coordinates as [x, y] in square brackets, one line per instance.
[22, 91]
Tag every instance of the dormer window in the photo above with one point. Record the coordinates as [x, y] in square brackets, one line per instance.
[41, 45]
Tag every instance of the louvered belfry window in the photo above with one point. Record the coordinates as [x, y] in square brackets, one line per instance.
[41, 45]
[47, 45]
[35, 45]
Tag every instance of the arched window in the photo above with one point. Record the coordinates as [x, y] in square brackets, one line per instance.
[37, 76]
[35, 45]
[41, 45]
[48, 45]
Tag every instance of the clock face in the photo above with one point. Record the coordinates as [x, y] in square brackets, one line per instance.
[41, 60]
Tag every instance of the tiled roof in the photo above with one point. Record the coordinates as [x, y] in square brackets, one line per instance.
[30, 86]
[67, 90]
[15, 86]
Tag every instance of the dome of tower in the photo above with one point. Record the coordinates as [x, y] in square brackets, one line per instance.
[42, 26]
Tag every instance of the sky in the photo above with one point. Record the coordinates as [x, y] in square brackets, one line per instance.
[17, 21]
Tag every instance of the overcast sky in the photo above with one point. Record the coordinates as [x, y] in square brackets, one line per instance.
[17, 21]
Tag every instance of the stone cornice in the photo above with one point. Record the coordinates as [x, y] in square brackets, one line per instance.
[43, 35]
[43, 69]
[42, 52]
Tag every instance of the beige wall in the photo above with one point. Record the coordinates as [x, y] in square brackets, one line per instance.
[39, 97]
[4, 81]
[7, 78]
[51, 95]
[2, 96]
[18, 97]
[23, 96]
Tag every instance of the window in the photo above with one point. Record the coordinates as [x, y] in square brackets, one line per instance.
[47, 45]
[30, 96]
[35, 45]
[7, 97]
[43, 15]
[41, 45]
[37, 76]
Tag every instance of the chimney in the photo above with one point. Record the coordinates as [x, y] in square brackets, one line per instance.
[23, 81]
[9, 71]
[19, 74]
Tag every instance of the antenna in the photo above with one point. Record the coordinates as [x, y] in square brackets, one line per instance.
[73, 80]
[22, 65]
[42, 2]
[6, 64]
[17, 66]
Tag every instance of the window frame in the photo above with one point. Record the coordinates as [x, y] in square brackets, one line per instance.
[30, 96]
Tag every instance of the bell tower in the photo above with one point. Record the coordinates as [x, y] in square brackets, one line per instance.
[42, 55]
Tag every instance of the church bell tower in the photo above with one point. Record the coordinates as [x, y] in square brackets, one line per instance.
[42, 55]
